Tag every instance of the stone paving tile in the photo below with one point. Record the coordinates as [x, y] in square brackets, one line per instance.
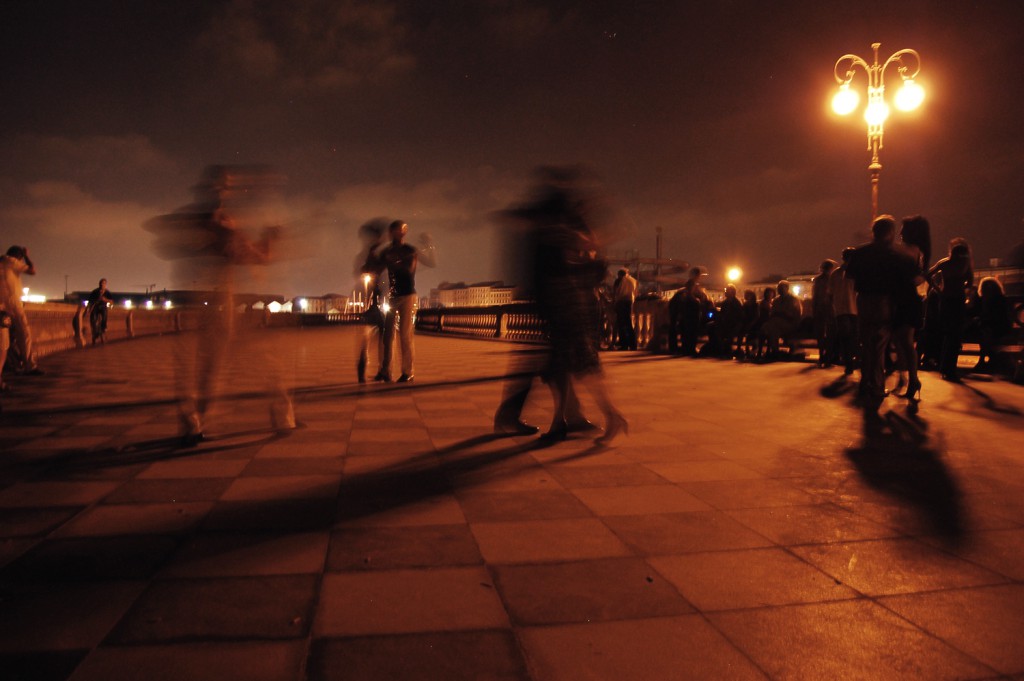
[757, 493]
[440, 656]
[1001, 551]
[684, 647]
[678, 533]
[389, 548]
[895, 566]
[248, 554]
[168, 491]
[42, 494]
[546, 540]
[138, 518]
[283, 487]
[331, 466]
[639, 500]
[848, 640]
[399, 510]
[724, 580]
[586, 591]
[984, 622]
[91, 559]
[277, 607]
[817, 524]
[31, 522]
[605, 476]
[292, 515]
[406, 601]
[253, 661]
[693, 471]
[55, 616]
[539, 505]
[191, 468]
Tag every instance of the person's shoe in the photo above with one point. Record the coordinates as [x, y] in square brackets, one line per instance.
[913, 396]
[34, 371]
[405, 378]
[382, 377]
[515, 427]
[616, 422]
[581, 425]
[556, 433]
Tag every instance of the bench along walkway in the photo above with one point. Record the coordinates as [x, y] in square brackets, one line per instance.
[747, 527]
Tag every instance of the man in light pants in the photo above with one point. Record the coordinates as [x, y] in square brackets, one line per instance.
[400, 258]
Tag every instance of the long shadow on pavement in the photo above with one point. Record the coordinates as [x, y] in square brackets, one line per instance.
[896, 458]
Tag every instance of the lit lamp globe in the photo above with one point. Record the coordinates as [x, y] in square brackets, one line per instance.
[910, 96]
[733, 274]
[876, 113]
[845, 101]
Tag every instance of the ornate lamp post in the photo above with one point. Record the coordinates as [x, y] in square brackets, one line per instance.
[909, 97]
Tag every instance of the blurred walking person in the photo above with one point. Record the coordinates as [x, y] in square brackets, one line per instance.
[566, 268]
[213, 250]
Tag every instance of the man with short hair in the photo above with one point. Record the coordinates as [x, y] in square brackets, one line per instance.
[400, 259]
[876, 269]
[12, 266]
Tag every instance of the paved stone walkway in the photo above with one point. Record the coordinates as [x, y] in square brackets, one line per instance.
[747, 527]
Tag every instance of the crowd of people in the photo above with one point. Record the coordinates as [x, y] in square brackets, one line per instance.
[885, 309]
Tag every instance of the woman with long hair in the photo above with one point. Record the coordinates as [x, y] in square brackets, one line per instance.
[908, 306]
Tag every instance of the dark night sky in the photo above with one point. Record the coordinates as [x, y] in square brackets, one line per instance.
[709, 119]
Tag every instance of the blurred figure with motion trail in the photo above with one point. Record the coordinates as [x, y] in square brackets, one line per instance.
[212, 247]
[566, 267]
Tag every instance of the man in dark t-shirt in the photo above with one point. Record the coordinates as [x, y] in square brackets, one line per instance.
[400, 259]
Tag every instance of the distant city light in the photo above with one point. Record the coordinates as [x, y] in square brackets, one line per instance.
[796, 290]
[127, 304]
[167, 305]
[149, 304]
[274, 306]
[734, 274]
[27, 297]
[303, 304]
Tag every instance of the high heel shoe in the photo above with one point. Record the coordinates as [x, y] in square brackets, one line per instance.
[900, 383]
[616, 422]
[913, 396]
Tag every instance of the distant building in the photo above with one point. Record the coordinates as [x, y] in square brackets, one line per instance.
[460, 294]
[326, 304]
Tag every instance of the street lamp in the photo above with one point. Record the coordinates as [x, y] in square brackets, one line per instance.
[909, 97]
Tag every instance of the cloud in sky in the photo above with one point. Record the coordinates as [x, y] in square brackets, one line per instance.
[313, 44]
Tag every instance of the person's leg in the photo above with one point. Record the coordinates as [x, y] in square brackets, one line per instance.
[388, 347]
[406, 321]
[23, 339]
